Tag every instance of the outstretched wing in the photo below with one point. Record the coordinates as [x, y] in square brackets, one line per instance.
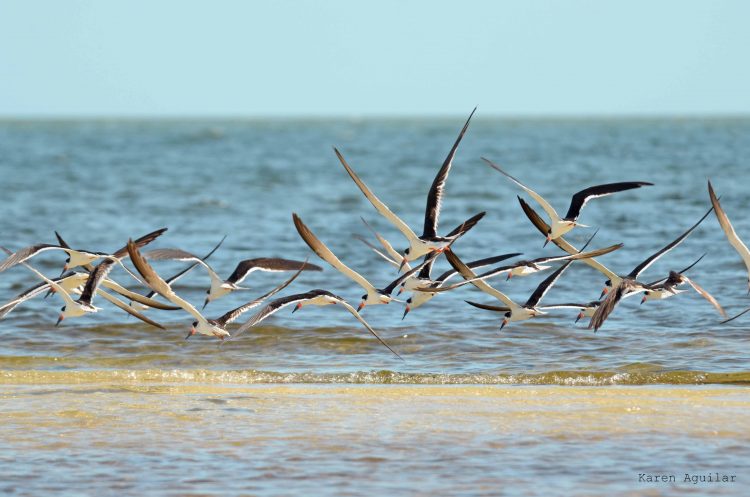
[325, 253]
[734, 240]
[435, 195]
[654, 257]
[563, 244]
[581, 198]
[703, 293]
[551, 212]
[375, 201]
[237, 312]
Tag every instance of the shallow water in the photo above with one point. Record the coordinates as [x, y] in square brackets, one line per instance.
[104, 398]
[188, 438]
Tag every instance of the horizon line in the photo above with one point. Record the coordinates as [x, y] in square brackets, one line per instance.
[374, 116]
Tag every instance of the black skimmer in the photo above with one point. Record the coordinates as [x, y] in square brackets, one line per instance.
[628, 284]
[561, 225]
[220, 286]
[675, 279]
[728, 229]
[73, 282]
[544, 228]
[374, 296]
[202, 325]
[429, 241]
[613, 279]
[72, 308]
[75, 257]
[316, 297]
[178, 275]
[512, 311]
[103, 268]
[529, 267]
[662, 289]
[423, 281]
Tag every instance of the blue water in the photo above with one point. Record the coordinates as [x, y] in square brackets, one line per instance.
[106, 404]
[100, 182]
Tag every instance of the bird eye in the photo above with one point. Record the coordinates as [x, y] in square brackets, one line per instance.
[408, 301]
[208, 291]
[406, 251]
[507, 314]
[62, 308]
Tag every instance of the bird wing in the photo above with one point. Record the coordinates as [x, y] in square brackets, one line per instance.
[137, 297]
[562, 243]
[276, 305]
[269, 264]
[386, 245]
[237, 312]
[609, 303]
[503, 269]
[375, 201]
[654, 257]
[102, 269]
[27, 253]
[181, 255]
[684, 270]
[53, 284]
[435, 195]
[182, 273]
[377, 251]
[479, 263]
[125, 307]
[488, 307]
[703, 293]
[157, 284]
[354, 313]
[554, 216]
[467, 273]
[545, 285]
[581, 198]
[325, 253]
[734, 240]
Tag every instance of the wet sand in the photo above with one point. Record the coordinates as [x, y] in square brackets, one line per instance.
[189, 438]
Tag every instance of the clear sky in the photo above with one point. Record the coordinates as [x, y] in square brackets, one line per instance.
[349, 58]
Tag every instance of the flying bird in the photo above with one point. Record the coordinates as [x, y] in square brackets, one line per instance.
[728, 229]
[220, 286]
[315, 297]
[561, 225]
[429, 241]
[202, 325]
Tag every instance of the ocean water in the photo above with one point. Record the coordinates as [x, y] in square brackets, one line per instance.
[93, 379]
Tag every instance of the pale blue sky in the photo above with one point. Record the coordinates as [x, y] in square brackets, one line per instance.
[232, 58]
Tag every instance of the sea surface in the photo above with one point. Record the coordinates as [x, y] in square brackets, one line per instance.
[310, 402]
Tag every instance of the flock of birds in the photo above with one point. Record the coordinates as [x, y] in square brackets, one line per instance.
[86, 274]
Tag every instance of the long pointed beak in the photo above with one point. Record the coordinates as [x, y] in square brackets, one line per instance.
[505, 321]
[59, 319]
[510, 275]
[643, 299]
[190, 333]
[400, 290]
[361, 306]
[549, 237]
[406, 311]
[580, 316]
[205, 303]
[604, 292]
[297, 307]
[403, 261]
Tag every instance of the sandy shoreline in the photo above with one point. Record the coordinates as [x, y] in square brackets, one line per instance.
[365, 439]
